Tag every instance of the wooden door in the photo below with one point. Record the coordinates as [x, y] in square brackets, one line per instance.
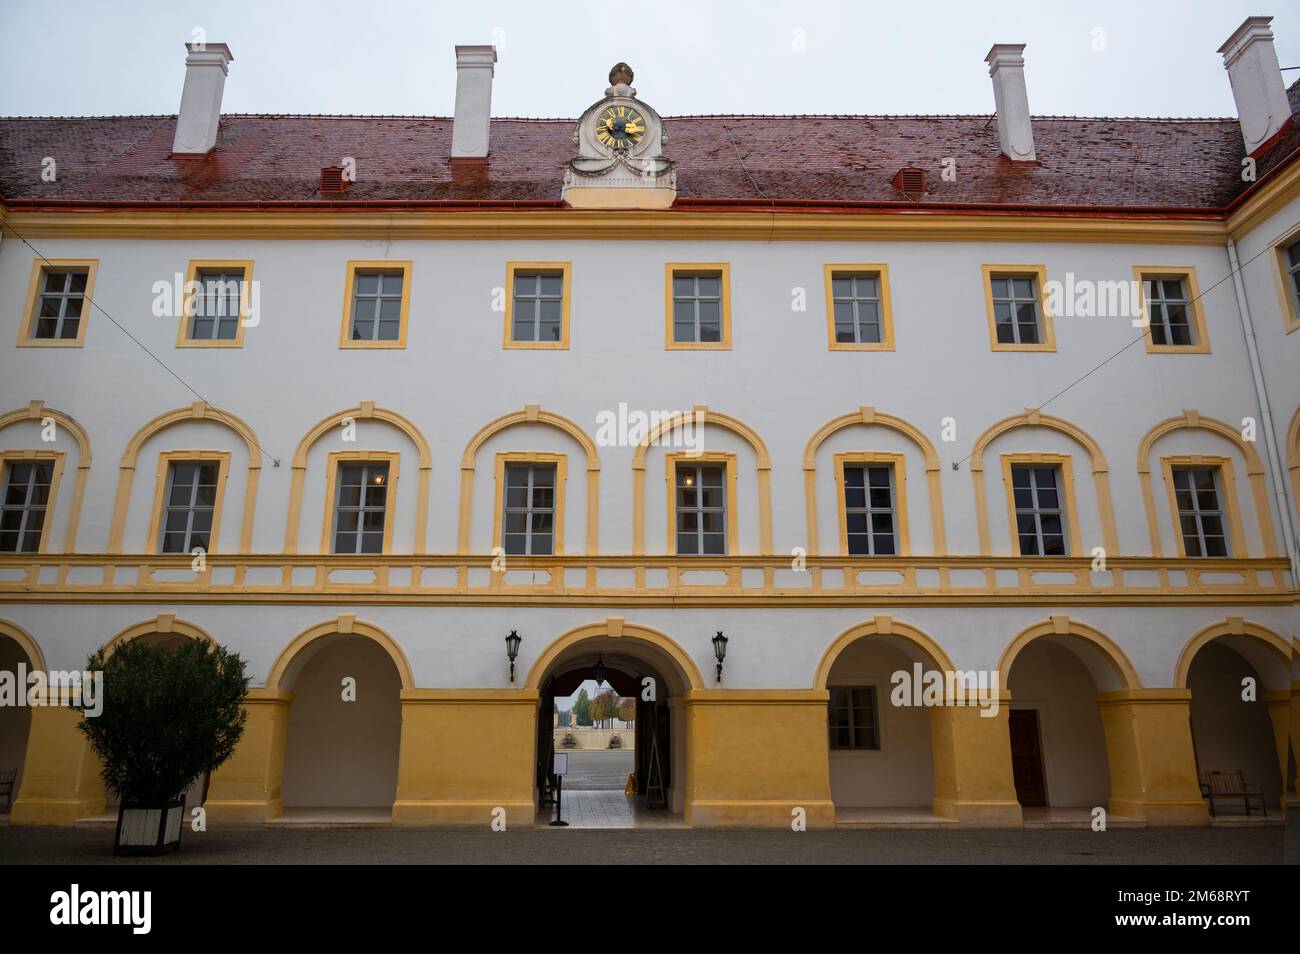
[1027, 758]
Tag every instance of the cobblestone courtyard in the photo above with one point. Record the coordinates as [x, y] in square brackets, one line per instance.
[549, 846]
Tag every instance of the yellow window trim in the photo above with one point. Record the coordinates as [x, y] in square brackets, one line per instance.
[724, 272]
[1227, 483]
[183, 339]
[1039, 274]
[153, 543]
[897, 462]
[1285, 290]
[1193, 292]
[28, 324]
[1066, 465]
[387, 267]
[338, 458]
[881, 271]
[728, 460]
[565, 271]
[30, 456]
[561, 491]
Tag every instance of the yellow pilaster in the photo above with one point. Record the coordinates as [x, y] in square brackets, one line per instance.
[972, 766]
[464, 754]
[1279, 714]
[754, 756]
[1149, 747]
[247, 788]
[61, 780]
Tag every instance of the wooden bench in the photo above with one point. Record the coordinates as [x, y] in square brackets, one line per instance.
[7, 780]
[1230, 786]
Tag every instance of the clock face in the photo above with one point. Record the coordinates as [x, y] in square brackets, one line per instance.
[620, 127]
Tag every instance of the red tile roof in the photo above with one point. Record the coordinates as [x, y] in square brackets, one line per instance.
[1129, 164]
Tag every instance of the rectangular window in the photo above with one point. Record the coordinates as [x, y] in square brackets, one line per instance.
[701, 509]
[60, 304]
[1015, 309]
[23, 509]
[1201, 521]
[1019, 315]
[1288, 263]
[1167, 311]
[537, 306]
[1039, 511]
[1171, 307]
[870, 512]
[59, 301]
[859, 305]
[852, 718]
[361, 507]
[538, 313]
[699, 306]
[216, 309]
[190, 506]
[377, 306]
[528, 520]
[1293, 273]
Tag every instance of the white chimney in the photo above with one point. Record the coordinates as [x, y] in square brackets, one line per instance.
[1015, 132]
[469, 132]
[1256, 77]
[205, 79]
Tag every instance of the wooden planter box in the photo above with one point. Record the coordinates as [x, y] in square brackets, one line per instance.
[148, 828]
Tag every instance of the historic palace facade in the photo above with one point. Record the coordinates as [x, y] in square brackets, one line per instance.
[1011, 399]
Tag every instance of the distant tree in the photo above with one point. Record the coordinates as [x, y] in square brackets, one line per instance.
[582, 708]
[627, 710]
[605, 708]
[565, 717]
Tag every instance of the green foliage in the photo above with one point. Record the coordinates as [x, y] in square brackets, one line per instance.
[169, 716]
[582, 708]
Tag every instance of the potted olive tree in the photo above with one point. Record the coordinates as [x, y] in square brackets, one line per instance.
[169, 716]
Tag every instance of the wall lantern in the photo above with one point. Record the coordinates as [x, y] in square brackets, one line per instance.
[512, 650]
[720, 650]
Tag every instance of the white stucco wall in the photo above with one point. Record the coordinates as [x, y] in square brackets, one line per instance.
[779, 378]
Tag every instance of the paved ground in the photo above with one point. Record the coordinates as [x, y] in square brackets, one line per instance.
[601, 769]
[551, 846]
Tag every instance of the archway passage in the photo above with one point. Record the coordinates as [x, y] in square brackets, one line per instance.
[1240, 711]
[880, 742]
[1059, 759]
[641, 780]
[344, 732]
[15, 722]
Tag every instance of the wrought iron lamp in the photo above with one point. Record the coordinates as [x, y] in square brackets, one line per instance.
[512, 650]
[720, 650]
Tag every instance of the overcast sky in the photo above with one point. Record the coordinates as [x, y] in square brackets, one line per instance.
[83, 58]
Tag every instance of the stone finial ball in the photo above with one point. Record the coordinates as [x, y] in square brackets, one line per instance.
[621, 73]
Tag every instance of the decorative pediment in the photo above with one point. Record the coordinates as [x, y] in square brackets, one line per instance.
[620, 162]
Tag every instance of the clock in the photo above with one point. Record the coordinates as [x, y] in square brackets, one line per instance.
[620, 127]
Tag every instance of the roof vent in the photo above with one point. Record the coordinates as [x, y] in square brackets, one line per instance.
[332, 181]
[909, 180]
